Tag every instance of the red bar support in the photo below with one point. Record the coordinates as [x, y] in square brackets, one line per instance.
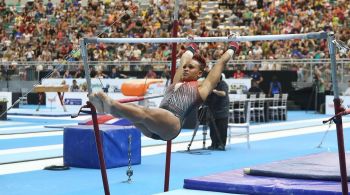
[168, 144]
[341, 147]
[99, 148]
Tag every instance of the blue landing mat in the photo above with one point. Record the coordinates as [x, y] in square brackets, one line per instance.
[311, 174]
[322, 166]
[237, 182]
[191, 192]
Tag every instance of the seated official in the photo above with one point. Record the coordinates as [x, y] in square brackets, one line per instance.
[255, 88]
[238, 74]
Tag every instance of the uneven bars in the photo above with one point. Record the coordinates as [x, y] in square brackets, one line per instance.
[312, 35]
[87, 40]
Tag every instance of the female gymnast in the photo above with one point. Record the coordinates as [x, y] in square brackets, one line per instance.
[183, 95]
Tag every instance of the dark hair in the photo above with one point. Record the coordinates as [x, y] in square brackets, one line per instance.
[200, 59]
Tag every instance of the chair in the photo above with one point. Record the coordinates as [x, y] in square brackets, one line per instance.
[233, 126]
[253, 101]
[273, 109]
[238, 112]
[260, 108]
[282, 108]
[231, 116]
[237, 107]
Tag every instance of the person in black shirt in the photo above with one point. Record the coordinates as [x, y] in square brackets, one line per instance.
[218, 103]
[254, 88]
[256, 76]
[116, 74]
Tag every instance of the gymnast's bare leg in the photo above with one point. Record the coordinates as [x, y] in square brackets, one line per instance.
[149, 120]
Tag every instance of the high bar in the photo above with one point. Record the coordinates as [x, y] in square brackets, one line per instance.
[311, 35]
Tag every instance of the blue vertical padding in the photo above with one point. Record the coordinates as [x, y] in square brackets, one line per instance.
[80, 149]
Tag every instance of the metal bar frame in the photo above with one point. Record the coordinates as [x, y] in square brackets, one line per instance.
[329, 36]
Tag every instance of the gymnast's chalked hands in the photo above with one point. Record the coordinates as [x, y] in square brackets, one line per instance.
[101, 102]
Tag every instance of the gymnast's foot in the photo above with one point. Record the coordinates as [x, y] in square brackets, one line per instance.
[102, 102]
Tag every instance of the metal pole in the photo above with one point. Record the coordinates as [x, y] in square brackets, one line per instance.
[86, 66]
[173, 70]
[312, 35]
[338, 108]
[99, 148]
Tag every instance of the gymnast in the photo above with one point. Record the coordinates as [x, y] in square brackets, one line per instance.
[183, 95]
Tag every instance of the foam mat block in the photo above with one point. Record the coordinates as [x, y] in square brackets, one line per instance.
[79, 149]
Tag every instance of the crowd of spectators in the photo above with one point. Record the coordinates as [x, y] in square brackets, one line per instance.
[38, 31]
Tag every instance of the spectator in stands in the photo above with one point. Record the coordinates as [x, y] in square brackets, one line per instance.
[216, 19]
[55, 73]
[238, 74]
[100, 74]
[58, 26]
[29, 54]
[116, 74]
[151, 74]
[74, 87]
[83, 87]
[275, 87]
[67, 74]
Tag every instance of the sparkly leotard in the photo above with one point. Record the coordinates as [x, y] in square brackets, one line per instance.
[180, 101]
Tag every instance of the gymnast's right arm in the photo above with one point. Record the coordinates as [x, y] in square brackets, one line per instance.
[185, 59]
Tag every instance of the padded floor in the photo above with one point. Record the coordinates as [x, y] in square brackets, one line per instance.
[41, 112]
[320, 173]
[322, 166]
[237, 182]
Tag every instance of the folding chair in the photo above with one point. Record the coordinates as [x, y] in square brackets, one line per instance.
[273, 109]
[282, 108]
[245, 126]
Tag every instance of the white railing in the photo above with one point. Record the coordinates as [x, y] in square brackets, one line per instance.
[33, 67]
[286, 62]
